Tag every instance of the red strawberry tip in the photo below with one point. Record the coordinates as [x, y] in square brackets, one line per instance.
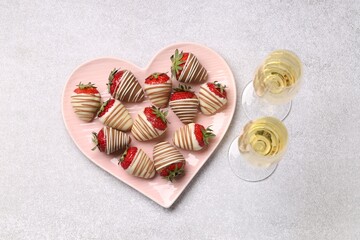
[99, 140]
[112, 80]
[171, 174]
[157, 78]
[160, 114]
[88, 88]
[218, 89]
[112, 74]
[220, 86]
[127, 157]
[182, 92]
[156, 117]
[103, 106]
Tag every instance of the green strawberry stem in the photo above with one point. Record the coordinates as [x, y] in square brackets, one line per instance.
[95, 140]
[112, 74]
[160, 114]
[111, 77]
[219, 86]
[102, 107]
[176, 62]
[175, 173]
[121, 159]
[207, 134]
[85, 86]
[183, 88]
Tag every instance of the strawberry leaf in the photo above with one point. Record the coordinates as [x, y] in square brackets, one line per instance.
[176, 62]
[122, 157]
[219, 86]
[182, 88]
[160, 114]
[94, 140]
[85, 86]
[207, 134]
[111, 78]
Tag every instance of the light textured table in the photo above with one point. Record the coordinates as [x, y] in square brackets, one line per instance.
[50, 190]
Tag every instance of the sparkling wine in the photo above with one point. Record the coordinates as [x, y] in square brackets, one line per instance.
[263, 141]
[278, 78]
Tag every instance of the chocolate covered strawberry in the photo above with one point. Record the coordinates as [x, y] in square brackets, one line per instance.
[114, 114]
[123, 86]
[186, 68]
[184, 103]
[212, 97]
[158, 88]
[149, 124]
[110, 140]
[86, 101]
[168, 161]
[192, 136]
[135, 162]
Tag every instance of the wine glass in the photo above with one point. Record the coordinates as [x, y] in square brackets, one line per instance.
[254, 155]
[276, 82]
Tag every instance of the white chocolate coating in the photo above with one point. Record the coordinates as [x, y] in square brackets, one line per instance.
[193, 71]
[209, 101]
[185, 138]
[115, 140]
[159, 93]
[166, 154]
[143, 129]
[141, 166]
[129, 89]
[185, 109]
[86, 105]
[117, 117]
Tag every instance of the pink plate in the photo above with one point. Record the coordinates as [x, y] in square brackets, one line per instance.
[97, 71]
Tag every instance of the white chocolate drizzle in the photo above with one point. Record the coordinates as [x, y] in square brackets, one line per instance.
[159, 93]
[115, 140]
[86, 105]
[185, 109]
[143, 130]
[129, 89]
[117, 117]
[209, 101]
[165, 154]
[193, 71]
[185, 138]
[141, 166]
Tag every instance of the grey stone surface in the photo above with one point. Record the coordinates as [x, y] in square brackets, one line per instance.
[50, 190]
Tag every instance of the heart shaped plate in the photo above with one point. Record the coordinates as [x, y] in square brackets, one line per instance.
[97, 71]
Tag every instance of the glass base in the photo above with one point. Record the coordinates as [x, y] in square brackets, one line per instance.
[243, 169]
[255, 106]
